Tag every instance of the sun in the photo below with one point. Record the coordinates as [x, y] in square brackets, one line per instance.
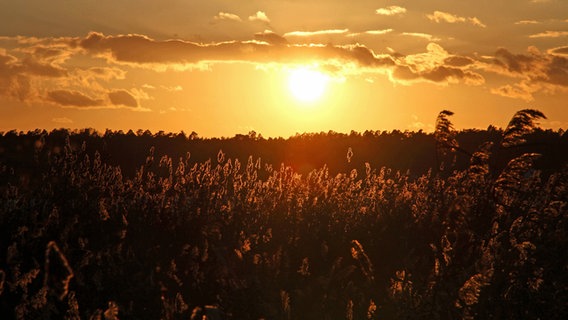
[307, 84]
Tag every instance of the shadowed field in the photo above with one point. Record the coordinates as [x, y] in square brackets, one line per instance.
[114, 226]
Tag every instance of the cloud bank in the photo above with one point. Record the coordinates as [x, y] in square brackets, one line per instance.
[39, 69]
[537, 71]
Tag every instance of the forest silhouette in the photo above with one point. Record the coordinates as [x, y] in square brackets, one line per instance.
[466, 224]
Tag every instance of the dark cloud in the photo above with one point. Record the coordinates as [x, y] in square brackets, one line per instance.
[446, 73]
[76, 99]
[122, 97]
[70, 98]
[517, 91]
[458, 61]
[538, 71]
[28, 65]
[274, 48]
[24, 70]
[143, 50]
[271, 37]
[438, 74]
[516, 63]
[535, 67]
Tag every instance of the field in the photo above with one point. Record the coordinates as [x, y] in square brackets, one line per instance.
[399, 225]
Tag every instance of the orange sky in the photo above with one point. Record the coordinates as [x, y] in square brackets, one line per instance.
[222, 67]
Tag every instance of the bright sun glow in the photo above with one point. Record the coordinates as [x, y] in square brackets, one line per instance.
[307, 85]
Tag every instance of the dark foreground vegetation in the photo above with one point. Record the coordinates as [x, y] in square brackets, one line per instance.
[450, 225]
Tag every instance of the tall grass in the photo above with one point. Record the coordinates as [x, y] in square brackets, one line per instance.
[231, 240]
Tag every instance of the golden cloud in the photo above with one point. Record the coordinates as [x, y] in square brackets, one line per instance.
[550, 34]
[391, 11]
[48, 76]
[259, 16]
[440, 16]
[227, 16]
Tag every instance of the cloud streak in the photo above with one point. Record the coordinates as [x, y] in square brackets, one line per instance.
[370, 32]
[62, 120]
[426, 36]
[527, 22]
[315, 33]
[550, 34]
[560, 51]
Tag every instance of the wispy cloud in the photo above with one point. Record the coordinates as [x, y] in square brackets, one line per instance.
[177, 88]
[227, 16]
[416, 124]
[370, 32]
[63, 120]
[391, 11]
[378, 32]
[550, 34]
[527, 22]
[259, 16]
[516, 91]
[560, 51]
[440, 16]
[426, 36]
[315, 33]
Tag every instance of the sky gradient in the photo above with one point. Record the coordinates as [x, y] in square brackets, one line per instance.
[222, 67]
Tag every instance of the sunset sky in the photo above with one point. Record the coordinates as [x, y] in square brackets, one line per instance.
[222, 67]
